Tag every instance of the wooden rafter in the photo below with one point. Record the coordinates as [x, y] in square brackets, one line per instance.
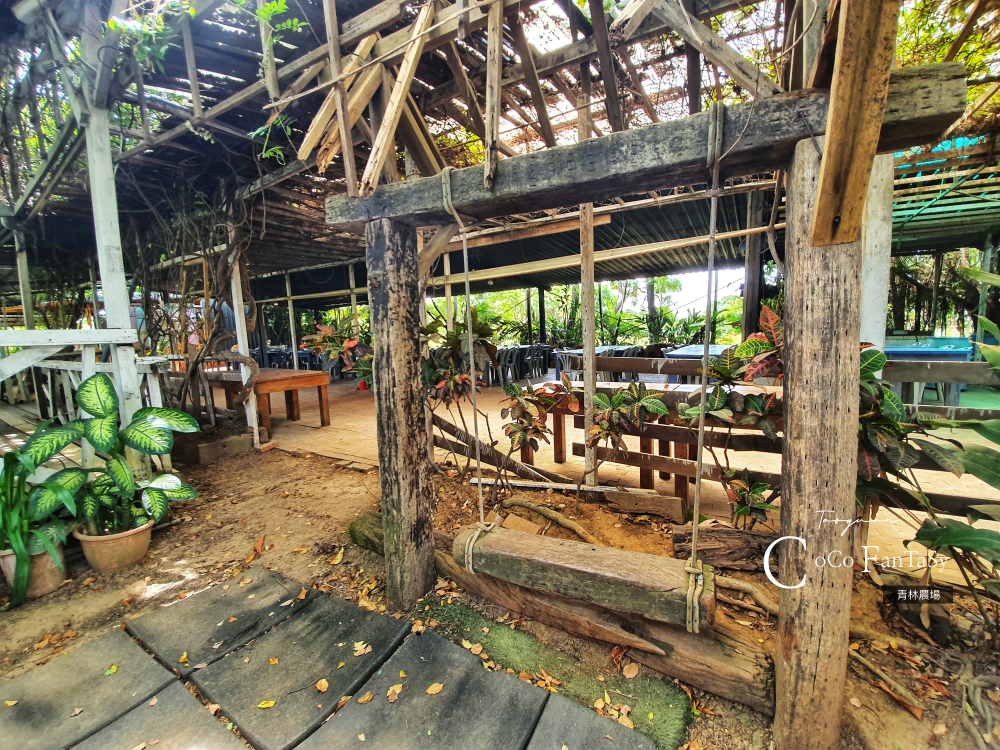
[192, 67]
[468, 93]
[713, 47]
[365, 85]
[531, 80]
[612, 102]
[633, 75]
[339, 95]
[494, 71]
[865, 50]
[967, 28]
[385, 138]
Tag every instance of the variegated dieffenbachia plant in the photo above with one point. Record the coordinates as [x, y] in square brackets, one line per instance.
[111, 500]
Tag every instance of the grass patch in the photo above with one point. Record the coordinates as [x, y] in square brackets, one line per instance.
[660, 709]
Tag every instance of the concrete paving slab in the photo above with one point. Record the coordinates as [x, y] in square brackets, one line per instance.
[309, 647]
[474, 710]
[568, 724]
[48, 696]
[214, 622]
[177, 721]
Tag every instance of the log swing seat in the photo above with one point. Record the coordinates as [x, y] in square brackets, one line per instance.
[667, 590]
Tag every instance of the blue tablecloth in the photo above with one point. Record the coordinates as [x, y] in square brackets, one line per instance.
[696, 351]
[928, 353]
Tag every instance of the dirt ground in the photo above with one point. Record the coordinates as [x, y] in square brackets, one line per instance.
[296, 509]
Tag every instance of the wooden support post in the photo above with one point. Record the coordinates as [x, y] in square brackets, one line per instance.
[645, 475]
[876, 247]
[822, 327]
[589, 327]
[243, 344]
[752, 267]
[985, 264]
[351, 280]
[24, 282]
[339, 96]
[394, 295]
[291, 321]
[558, 438]
[541, 320]
[494, 70]
[449, 310]
[104, 200]
[612, 102]
[663, 446]
[531, 80]
[935, 292]
[527, 310]
[192, 67]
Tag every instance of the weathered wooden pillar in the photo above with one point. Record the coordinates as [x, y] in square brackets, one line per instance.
[291, 322]
[541, 320]
[936, 291]
[876, 249]
[243, 344]
[589, 328]
[352, 282]
[822, 326]
[394, 295]
[449, 303]
[24, 282]
[693, 69]
[752, 274]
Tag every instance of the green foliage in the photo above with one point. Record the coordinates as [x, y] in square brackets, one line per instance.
[748, 498]
[624, 412]
[107, 504]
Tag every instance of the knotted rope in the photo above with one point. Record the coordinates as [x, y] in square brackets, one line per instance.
[482, 527]
[694, 567]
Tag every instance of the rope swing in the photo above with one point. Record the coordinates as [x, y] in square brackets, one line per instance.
[482, 527]
[695, 567]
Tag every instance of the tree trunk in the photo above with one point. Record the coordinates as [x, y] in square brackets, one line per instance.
[407, 499]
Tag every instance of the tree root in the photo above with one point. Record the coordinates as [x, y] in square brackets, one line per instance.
[748, 588]
[555, 516]
[901, 691]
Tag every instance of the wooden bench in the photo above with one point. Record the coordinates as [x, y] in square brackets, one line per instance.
[272, 380]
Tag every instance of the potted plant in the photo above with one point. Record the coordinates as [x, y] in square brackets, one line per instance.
[35, 517]
[117, 511]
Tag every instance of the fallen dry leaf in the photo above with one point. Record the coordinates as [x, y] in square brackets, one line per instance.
[112, 670]
[183, 595]
[336, 559]
[265, 704]
[302, 595]
[10, 703]
[342, 702]
[361, 737]
[153, 702]
[939, 729]
[250, 557]
[631, 671]
[214, 708]
[127, 601]
[76, 712]
[477, 649]
[365, 698]
[140, 746]
[916, 711]
[434, 689]
[323, 685]
[626, 721]
[69, 634]
[393, 693]
[88, 581]
[184, 658]
[231, 619]
[273, 660]
[258, 546]
[299, 551]
[855, 702]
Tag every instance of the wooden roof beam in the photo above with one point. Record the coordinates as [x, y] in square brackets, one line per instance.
[866, 48]
[922, 102]
[385, 138]
[612, 101]
[531, 81]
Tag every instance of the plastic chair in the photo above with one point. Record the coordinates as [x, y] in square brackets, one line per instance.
[507, 359]
[565, 365]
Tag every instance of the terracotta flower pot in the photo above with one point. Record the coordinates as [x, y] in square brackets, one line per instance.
[44, 578]
[114, 552]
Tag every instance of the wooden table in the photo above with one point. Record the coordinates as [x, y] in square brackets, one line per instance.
[273, 380]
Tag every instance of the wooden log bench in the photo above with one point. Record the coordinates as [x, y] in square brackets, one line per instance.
[273, 380]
